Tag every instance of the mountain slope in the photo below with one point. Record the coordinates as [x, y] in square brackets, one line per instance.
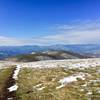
[92, 50]
[48, 55]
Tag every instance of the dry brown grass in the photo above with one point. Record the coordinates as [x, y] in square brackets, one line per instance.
[28, 78]
[4, 75]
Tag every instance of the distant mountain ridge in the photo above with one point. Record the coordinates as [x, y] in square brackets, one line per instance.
[92, 50]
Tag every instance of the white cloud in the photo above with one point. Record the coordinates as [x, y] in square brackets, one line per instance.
[11, 41]
[74, 33]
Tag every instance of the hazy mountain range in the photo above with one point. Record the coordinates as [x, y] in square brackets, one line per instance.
[92, 50]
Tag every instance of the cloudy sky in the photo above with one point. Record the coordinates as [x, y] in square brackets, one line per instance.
[47, 22]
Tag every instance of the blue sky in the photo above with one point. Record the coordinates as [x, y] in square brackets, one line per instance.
[46, 22]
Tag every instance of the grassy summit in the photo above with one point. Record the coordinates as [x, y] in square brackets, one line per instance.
[41, 84]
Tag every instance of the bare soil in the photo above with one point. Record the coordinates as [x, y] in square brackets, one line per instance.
[6, 95]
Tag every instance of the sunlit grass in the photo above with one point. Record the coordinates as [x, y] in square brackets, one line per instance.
[48, 78]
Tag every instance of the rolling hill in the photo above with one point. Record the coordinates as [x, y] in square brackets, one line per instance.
[91, 50]
[47, 55]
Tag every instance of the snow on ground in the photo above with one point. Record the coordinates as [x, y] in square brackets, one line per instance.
[72, 63]
[61, 86]
[10, 99]
[13, 88]
[84, 85]
[89, 93]
[16, 72]
[38, 87]
[5, 64]
[15, 77]
[70, 79]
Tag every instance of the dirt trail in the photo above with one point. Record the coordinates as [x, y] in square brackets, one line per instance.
[6, 94]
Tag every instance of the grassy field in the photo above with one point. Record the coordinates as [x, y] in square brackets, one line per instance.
[41, 84]
[4, 75]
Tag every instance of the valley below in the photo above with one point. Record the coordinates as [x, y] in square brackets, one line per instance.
[71, 79]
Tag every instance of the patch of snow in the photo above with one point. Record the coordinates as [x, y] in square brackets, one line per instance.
[70, 79]
[10, 99]
[84, 85]
[61, 86]
[15, 77]
[6, 64]
[81, 89]
[16, 72]
[72, 63]
[13, 88]
[40, 88]
[38, 85]
[89, 93]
